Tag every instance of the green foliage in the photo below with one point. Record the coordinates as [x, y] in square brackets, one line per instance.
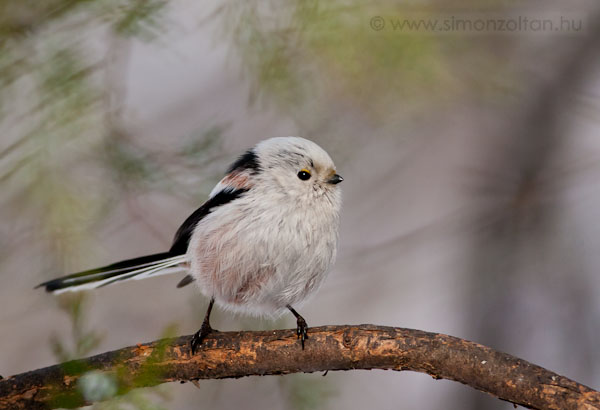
[95, 385]
[83, 341]
[139, 18]
[53, 109]
[127, 17]
[150, 373]
[138, 168]
[131, 165]
[60, 123]
[296, 52]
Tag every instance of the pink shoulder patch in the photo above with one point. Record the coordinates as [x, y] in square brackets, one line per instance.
[237, 180]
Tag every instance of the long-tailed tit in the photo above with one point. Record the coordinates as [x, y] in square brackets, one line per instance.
[262, 242]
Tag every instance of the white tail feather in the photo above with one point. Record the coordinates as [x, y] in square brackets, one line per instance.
[163, 267]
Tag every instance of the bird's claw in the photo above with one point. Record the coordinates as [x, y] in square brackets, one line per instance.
[199, 337]
[302, 330]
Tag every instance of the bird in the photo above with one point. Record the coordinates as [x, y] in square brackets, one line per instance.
[261, 244]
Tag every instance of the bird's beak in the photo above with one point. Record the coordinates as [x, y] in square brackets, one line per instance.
[335, 179]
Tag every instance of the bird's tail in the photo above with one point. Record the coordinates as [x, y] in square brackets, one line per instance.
[138, 268]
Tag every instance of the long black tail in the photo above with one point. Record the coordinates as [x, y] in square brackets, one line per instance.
[137, 268]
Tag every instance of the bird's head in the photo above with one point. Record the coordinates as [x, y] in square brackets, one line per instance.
[298, 167]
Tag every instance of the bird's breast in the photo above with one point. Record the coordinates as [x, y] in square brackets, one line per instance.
[250, 254]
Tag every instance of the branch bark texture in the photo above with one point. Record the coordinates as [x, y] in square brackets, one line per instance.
[238, 354]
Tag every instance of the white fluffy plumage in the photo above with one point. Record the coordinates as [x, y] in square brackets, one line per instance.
[271, 247]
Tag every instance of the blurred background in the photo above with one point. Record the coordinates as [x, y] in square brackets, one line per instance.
[467, 133]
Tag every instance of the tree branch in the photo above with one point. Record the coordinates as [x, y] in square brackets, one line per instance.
[238, 354]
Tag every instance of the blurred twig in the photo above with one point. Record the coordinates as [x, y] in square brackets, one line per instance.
[238, 354]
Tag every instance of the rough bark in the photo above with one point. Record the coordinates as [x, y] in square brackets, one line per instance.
[238, 354]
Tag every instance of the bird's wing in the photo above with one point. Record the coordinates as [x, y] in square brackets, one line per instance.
[184, 233]
[235, 183]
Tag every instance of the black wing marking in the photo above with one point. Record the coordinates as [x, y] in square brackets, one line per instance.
[184, 233]
[247, 161]
[185, 281]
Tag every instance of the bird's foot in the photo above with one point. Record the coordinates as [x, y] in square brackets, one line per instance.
[200, 335]
[302, 330]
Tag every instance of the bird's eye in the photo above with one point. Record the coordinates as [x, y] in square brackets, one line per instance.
[304, 174]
